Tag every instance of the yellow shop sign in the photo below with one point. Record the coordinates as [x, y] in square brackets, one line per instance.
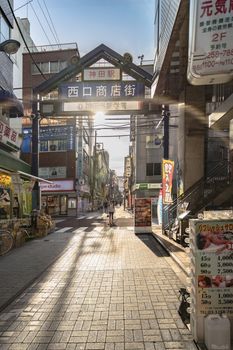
[5, 180]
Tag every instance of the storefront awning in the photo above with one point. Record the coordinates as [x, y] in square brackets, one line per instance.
[9, 101]
[34, 177]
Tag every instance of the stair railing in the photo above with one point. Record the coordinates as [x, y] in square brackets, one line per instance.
[199, 194]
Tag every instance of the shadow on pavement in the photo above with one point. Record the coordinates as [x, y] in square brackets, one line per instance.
[152, 244]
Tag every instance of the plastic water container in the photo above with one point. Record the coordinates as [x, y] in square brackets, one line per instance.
[217, 332]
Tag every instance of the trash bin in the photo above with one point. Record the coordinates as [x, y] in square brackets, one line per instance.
[217, 332]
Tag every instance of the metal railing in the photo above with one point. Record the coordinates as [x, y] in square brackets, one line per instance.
[53, 47]
[199, 195]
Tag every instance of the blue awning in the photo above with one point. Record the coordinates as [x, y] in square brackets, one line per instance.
[9, 101]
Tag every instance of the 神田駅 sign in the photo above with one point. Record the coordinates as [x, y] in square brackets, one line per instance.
[210, 42]
[95, 74]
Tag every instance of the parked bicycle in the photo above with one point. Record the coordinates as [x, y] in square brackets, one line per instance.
[6, 241]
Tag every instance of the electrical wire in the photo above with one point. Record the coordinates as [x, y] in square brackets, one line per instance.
[55, 32]
[18, 8]
[55, 38]
[40, 23]
[25, 43]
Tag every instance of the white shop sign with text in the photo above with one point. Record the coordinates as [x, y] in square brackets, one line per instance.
[66, 185]
[210, 42]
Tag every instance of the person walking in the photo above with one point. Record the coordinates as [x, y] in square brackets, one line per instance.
[111, 210]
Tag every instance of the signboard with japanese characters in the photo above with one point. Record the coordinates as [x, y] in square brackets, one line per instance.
[96, 74]
[9, 136]
[102, 90]
[167, 177]
[103, 106]
[210, 42]
[211, 243]
[128, 168]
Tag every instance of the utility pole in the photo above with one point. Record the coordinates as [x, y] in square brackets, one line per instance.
[94, 171]
[165, 118]
[165, 115]
[35, 153]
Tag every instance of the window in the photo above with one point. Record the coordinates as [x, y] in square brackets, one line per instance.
[44, 146]
[54, 67]
[153, 169]
[44, 66]
[35, 70]
[53, 145]
[72, 203]
[49, 67]
[4, 29]
[62, 65]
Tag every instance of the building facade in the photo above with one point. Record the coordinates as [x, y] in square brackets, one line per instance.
[202, 150]
[15, 184]
[65, 145]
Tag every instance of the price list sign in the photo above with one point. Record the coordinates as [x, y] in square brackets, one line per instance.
[213, 242]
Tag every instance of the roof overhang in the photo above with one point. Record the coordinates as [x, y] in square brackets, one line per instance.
[162, 78]
[36, 178]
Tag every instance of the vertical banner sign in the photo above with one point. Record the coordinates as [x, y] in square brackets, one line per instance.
[167, 174]
[210, 42]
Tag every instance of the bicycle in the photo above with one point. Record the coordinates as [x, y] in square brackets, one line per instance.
[6, 241]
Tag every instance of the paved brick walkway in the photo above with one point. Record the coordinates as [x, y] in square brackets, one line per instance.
[107, 291]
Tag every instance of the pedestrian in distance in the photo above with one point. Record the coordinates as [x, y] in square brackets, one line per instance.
[111, 211]
[105, 206]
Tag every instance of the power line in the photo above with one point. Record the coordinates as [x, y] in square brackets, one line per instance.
[25, 43]
[18, 8]
[40, 23]
[48, 22]
[55, 32]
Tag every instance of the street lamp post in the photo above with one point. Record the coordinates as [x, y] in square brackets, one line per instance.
[9, 46]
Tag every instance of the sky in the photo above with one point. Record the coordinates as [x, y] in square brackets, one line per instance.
[122, 25]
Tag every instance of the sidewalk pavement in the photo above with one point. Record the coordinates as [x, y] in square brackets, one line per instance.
[178, 253]
[106, 291]
[96, 288]
[23, 265]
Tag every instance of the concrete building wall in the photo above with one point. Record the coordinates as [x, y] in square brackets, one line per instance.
[144, 154]
[32, 80]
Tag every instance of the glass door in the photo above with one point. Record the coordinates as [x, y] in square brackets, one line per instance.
[63, 205]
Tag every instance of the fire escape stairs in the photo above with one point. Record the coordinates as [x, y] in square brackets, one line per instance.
[216, 187]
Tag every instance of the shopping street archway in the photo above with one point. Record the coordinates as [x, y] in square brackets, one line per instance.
[102, 80]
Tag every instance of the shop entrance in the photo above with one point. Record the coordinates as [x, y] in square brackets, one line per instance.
[63, 205]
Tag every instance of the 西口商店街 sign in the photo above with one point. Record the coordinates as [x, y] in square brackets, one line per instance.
[102, 90]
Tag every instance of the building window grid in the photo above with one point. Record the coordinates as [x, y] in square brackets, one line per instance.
[153, 169]
[53, 145]
[48, 67]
